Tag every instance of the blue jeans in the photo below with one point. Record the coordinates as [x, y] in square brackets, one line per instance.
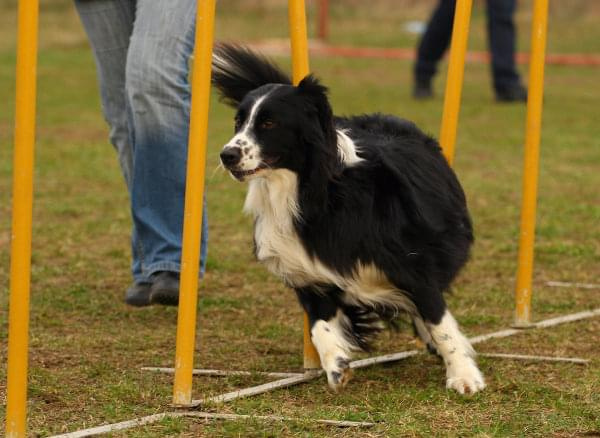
[142, 50]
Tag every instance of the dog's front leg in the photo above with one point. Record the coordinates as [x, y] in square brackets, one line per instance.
[328, 339]
[327, 333]
[462, 373]
[461, 370]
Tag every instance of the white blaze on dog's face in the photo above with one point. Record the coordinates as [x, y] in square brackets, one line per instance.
[242, 154]
[247, 155]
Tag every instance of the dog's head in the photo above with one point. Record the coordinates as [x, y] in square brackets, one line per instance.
[281, 126]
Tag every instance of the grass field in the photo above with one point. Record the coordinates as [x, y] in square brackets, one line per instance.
[87, 347]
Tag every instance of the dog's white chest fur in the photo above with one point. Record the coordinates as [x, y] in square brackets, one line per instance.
[272, 201]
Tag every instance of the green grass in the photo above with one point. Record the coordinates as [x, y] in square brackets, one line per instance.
[86, 347]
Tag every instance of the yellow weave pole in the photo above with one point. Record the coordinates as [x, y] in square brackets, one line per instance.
[299, 42]
[190, 257]
[454, 80]
[20, 267]
[531, 164]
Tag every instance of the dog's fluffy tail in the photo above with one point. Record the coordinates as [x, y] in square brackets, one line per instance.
[237, 70]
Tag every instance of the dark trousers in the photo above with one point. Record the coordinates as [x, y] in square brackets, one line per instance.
[501, 34]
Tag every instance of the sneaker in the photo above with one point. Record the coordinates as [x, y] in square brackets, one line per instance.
[512, 93]
[422, 89]
[165, 288]
[138, 294]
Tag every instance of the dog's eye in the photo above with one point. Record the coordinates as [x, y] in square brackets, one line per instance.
[237, 123]
[267, 124]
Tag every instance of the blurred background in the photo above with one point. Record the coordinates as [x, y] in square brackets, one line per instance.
[380, 23]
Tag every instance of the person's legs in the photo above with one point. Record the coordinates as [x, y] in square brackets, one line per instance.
[434, 42]
[501, 34]
[158, 104]
[108, 25]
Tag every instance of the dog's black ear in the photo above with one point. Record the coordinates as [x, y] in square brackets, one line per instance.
[323, 164]
[316, 94]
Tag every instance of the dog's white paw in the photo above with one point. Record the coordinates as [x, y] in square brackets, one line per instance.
[466, 378]
[338, 372]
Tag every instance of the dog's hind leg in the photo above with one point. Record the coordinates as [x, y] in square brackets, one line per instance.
[462, 373]
[328, 326]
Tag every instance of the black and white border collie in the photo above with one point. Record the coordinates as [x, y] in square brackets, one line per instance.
[362, 216]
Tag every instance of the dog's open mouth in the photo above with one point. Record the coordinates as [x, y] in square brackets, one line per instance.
[241, 174]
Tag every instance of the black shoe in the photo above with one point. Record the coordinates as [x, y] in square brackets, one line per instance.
[422, 90]
[165, 288]
[512, 93]
[138, 294]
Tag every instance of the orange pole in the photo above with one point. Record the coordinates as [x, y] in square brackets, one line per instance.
[20, 267]
[298, 39]
[299, 42]
[190, 257]
[531, 165]
[454, 81]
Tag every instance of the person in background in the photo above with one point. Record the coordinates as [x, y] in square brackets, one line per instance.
[142, 50]
[501, 34]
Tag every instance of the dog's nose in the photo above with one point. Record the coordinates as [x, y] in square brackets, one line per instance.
[230, 156]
